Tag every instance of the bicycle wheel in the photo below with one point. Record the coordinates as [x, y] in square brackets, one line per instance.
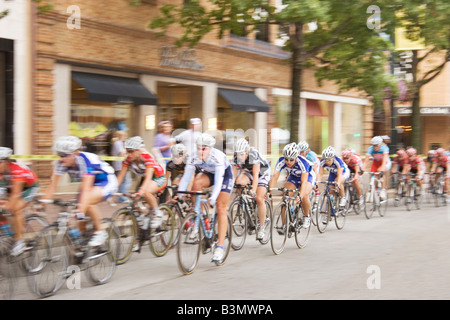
[189, 244]
[34, 224]
[50, 260]
[161, 238]
[228, 238]
[371, 204]
[314, 208]
[239, 224]
[266, 238]
[8, 276]
[349, 196]
[178, 220]
[323, 215]
[126, 222]
[339, 218]
[278, 228]
[301, 234]
[101, 260]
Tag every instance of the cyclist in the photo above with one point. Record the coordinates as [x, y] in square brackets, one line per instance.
[214, 169]
[255, 170]
[429, 161]
[310, 155]
[399, 163]
[151, 173]
[338, 171]
[441, 163]
[98, 181]
[381, 161]
[354, 163]
[300, 174]
[415, 165]
[21, 186]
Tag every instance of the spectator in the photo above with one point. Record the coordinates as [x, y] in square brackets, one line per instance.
[163, 140]
[189, 137]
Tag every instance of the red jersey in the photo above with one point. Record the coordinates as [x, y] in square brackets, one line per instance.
[145, 161]
[416, 162]
[401, 161]
[18, 172]
[354, 161]
[443, 161]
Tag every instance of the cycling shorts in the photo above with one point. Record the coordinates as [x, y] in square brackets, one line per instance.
[228, 180]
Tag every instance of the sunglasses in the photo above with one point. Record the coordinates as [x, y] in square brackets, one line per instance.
[63, 155]
[202, 148]
[289, 160]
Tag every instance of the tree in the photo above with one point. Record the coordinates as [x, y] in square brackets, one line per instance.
[427, 21]
[341, 47]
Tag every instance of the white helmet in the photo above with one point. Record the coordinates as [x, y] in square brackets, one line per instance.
[205, 140]
[303, 146]
[67, 144]
[291, 151]
[178, 149]
[328, 153]
[241, 145]
[5, 153]
[376, 140]
[134, 143]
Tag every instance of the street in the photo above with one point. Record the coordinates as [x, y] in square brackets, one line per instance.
[403, 255]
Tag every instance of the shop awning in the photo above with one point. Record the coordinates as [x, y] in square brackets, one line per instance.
[243, 100]
[114, 89]
[313, 108]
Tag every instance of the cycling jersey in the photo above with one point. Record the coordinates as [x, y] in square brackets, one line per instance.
[145, 161]
[334, 166]
[217, 167]
[253, 158]
[314, 159]
[401, 162]
[354, 161]
[295, 172]
[416, 162]
[176, 170]
[18, 172]
[87, 163]
[442, 162]
[378, 157]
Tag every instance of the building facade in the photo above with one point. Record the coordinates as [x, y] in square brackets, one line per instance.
[97, 67]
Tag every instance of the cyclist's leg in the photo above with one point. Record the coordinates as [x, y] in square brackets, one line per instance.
[222, 206]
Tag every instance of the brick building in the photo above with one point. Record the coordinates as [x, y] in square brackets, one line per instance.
[97, 67]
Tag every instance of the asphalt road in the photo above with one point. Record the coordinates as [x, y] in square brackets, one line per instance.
[404, 255]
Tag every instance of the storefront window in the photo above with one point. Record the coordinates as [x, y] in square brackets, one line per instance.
[96, 122]
[352, 127]
[280, 133]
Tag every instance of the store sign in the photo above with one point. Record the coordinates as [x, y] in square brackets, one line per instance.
[430, 111]
[180, 59]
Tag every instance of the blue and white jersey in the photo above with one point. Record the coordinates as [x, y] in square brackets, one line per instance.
[301, 166]
[314, 159]
[216, 164]
[335, 165]
[86, 163]
[253, 158]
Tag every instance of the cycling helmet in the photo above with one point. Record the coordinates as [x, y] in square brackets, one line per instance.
[376, 140]
[347, 153]
[401, 153]
[291, 151]
[328, 153]
[241, 145]
[411, 152]
[303, 146]
[205, 140]
[5, 153]
[67, 144]
[440, 151]
[178, 150]
[134, 143]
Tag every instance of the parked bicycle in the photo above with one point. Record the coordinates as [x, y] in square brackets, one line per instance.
[374, 202]
[135, 228]
[329, 207]
[244, 217]
[199, 234]
[287, 221]
[61, 244]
